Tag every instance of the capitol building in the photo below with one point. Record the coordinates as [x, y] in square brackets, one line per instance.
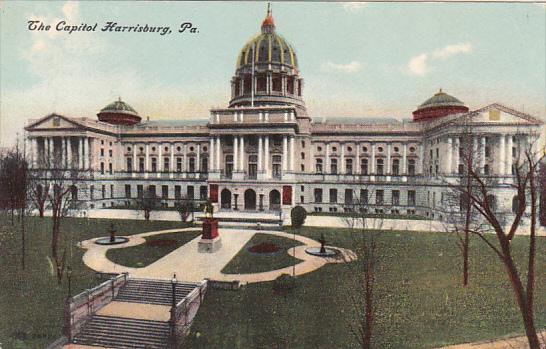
[264, 152]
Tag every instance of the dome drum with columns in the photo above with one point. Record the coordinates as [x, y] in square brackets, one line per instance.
[272, 62]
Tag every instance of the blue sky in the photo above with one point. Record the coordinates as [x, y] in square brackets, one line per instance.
[357, 59]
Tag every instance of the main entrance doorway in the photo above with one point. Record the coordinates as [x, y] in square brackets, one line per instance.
[274, 200]
[250, 199]
[225, 199]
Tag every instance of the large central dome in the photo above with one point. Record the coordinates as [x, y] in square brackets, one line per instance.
[267, 71]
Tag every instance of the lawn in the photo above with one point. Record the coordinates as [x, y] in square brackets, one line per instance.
[154, 248]
[420, 302]
[31, 302]
[250, 262]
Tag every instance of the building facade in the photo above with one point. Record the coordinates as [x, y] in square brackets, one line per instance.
[263, 152]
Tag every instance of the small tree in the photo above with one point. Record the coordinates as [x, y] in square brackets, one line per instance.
[185, 207]
[147, 202]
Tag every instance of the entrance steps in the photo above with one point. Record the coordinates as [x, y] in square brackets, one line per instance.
[153, 291]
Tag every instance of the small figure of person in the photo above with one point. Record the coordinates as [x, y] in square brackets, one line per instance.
[322, 242]
[112, 233]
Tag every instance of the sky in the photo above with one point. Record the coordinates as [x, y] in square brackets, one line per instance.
[357, 59]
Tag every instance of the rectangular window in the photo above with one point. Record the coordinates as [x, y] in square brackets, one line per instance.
[178, 164]
[318, 166]
[128, 191]
[379, 169]
[111, 190]
[177, 192]
[154, 165]
[141, 164]
[152, 190]
[102, 168]
[333, 196]
[333, 166]
[203, 192]
[318, 195]
[348, 196]
[92, 192]
[363, 196]
[166, 164]
[364, 167]
[349, 166]
[379, 197]
[110, 153]
[129, 164]
[164, 191]
[396, 197]
[103, 190]
[140, 191]
[395, 167]
[190, 195]
[110, 168]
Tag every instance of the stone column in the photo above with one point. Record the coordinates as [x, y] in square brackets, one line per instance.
[135, 164]
[456, 154]
[172, 164]
[147, 158]
[64, 160]
[51, 150]
[449, 167]
[422, 157]
[357, 162]
[160, 159]
[235, 153]
[327, 162]
[284, 154]
[342, 162]
[86, 154]
[198, 158]
[242, 156]
[33, 152]
[218, 147]
[482, 155]
[80, 153]
[373, 159]
[211, 154]
[260, 155]
[389, 159]
[405, 160]
[292, 153]
[509, 157]
[266, 159]
[502, 155]
[69, 163]
[184, 158]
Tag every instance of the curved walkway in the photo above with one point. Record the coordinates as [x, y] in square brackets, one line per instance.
[190, 265]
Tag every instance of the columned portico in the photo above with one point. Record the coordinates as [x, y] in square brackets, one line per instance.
[449, 169]
[502, 155]
[284, 154]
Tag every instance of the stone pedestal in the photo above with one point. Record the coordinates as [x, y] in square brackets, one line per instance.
[210, 240]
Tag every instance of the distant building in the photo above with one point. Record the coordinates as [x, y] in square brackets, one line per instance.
[263, 152]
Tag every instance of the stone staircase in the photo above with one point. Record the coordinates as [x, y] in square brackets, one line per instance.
[246, 219]
[121, 332]
[152, 292]
[117, 332]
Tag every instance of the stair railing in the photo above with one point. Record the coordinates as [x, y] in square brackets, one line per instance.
[79, 309]
[184, 312]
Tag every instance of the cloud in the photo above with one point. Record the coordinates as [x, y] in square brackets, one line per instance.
[451, 50]
[353, 7]
[348, 68]
[418, 65]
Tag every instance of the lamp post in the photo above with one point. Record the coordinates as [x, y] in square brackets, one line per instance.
[173, 284]
[69, 278]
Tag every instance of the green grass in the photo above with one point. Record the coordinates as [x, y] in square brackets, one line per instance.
[31, 301]
[247, 262]
[419, 299]
[143, 255]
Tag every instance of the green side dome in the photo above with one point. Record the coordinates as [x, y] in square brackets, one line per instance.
[441, 99]
[120, 107]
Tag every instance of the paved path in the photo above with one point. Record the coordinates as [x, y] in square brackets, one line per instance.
[504, 343]
[191, 265]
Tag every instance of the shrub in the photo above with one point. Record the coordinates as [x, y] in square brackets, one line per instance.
[284, 283]
[298, 215]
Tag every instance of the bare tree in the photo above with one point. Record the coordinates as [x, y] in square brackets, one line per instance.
[362, 296]
[148, 202]
[481, 198]
[60, 188]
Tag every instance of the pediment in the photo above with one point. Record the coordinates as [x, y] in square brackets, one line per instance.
[54, 121]
[499, 114]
